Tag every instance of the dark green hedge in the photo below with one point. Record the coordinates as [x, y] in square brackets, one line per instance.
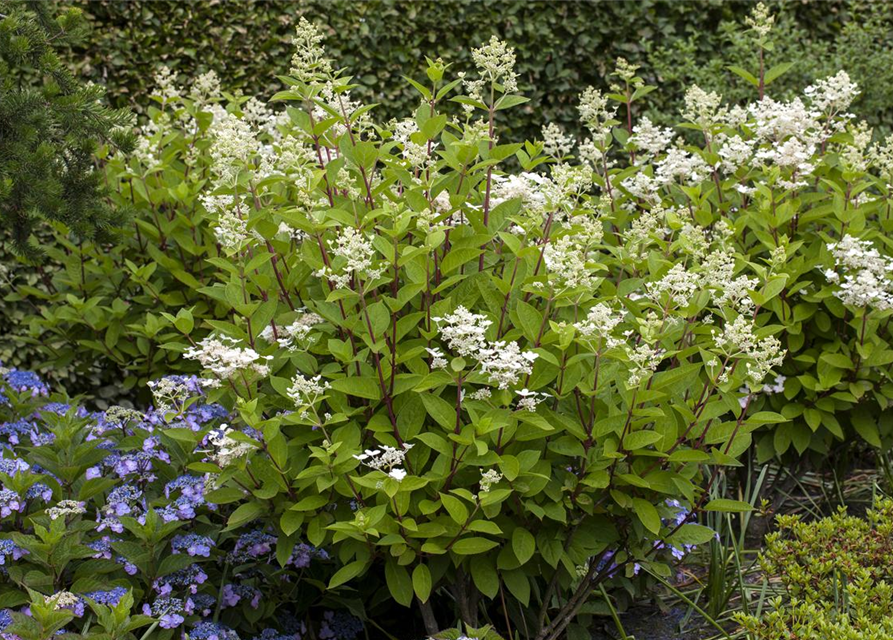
[561, 46]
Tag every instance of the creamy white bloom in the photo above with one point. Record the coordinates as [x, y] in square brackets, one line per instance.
[760, 20]
[595, 114]
[233, 146]
[682, 165]
[866, 274]
[357, 252]
[309, 61]
[567, 263]
[834, 94]
[775, 121]
[650, 138]
[505, 363]
[65, 508]
[165, 85]
[221, 355]
[643, 360]
[677, 286]
[464, 331]
[397, 474]
[734, 152]
[226, 448]
[528, 400]
[205, 87]
[489, 478]
[496, 63]
[305, 392]
[555, 142]
[599, 324]
[702, 108]
[738, 339]
[293, 336]
[385, 458]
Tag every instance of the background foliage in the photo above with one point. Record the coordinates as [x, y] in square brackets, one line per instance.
[561, 46]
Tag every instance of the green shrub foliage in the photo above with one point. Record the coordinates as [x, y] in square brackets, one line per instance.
[515, 387]
[50, 124]
[489, 377]
[561, 47]
[835, 574]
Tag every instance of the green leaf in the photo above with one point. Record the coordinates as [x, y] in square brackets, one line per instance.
[225, 495]
[485, 577]
[358, 386]
[455, 507]
[640, 439]
[776, 72]
[692, 534]
[508, 101]
[529, 318]
[244, 514]
[421, 582]
[865, 426]
[728, 506]
[523, 544]
[441, 410]
[647, 514]
[398, 581]
[347, 573]
[473, 546]
[738, 71]
[457, 257]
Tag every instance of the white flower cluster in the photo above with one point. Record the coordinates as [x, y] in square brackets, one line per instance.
[644, 360]
[489, 478]
[596, 115]
[386, 458]
[726, 289]
[506, 363]
[415, 153]
[650, 138]
[527, 187]
[226, 448]
[169, 393]
[530, 399]
[681, 165]
[292, 337]
[165, 85]
[555, 142]
[205, 88]
[357, 252]
[738, 340]
[833, 95]
[309, 61]
[221, 355]
[768, 389]
[496, 63]
[866, 274]
[678, 286]
[305, 392]
[62, 600]
[599, 324]
[66, 508]
[760, 21]
[567, 262]
[438, 360]
[703, 109]
[233, 146]
[648, 225]
[465, 333]
[734, 152]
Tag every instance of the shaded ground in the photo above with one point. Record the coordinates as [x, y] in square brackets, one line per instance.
[649, 623]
